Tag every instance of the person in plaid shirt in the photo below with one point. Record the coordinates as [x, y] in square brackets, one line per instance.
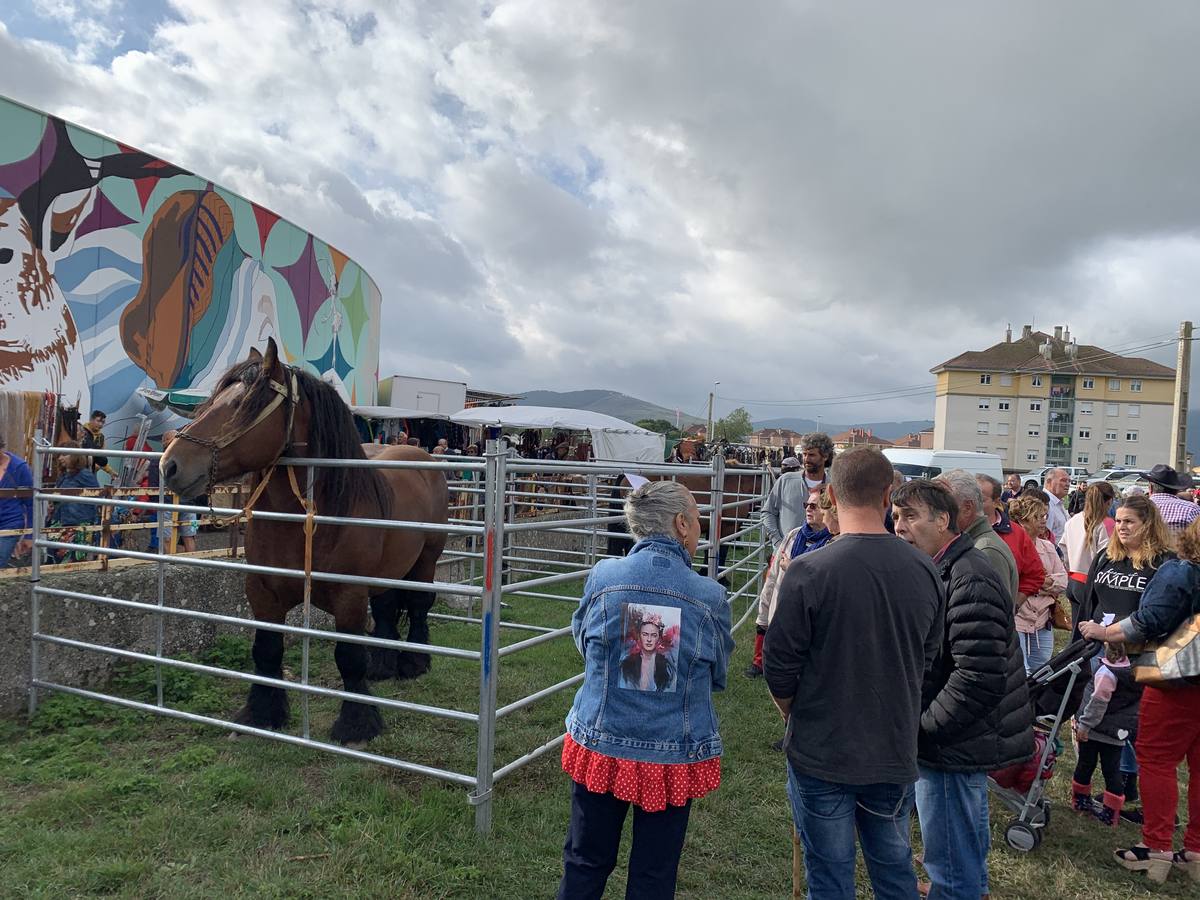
[1165, 485]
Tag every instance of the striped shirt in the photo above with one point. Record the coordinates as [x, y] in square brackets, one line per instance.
[1177, 513]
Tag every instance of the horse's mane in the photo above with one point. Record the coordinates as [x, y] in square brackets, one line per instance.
[331, 435]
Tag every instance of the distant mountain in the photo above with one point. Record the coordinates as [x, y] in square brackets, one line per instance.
[611, 403]
[886, 430]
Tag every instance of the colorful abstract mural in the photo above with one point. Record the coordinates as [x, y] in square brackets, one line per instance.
[120, 271]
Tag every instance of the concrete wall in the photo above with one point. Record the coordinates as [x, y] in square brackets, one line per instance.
[187, 587]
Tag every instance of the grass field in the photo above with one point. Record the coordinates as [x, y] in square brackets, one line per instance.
[97, 800]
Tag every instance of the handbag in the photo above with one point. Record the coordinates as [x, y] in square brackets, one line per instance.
[1173, 661]
[1061, 618]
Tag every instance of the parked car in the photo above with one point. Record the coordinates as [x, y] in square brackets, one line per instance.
[914, 463]
[1132, 483]
[1113, 474]
[1037, 476]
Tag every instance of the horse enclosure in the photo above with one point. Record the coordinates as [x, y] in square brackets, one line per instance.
[499, 504]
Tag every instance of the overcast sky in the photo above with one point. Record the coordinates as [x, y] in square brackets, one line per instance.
[798, 200]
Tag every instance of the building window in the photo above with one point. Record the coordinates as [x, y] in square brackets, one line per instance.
[1110, 435]
[985, 378]
[981, 427]
[1089, 383]
[1002, 452]
[1134, 410]
[1085, 407]
[1006, 381]
[1082, 459]
[1130, 459]
[1031, 455]
[1035, 431]
[1001, 428]
[1114, 384]
[1131, 435]
[1036, 380]
[1110, 459]
[1112, 409]
[1003, 405]
[1085, 433]
[981, 449]
[1035, 405]
[1135, 386]
[985, 402]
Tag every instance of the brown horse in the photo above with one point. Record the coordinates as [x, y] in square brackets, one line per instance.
[259, 411]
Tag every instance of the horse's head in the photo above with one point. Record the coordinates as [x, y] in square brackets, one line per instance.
[245, 426]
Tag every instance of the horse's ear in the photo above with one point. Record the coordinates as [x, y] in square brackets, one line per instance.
[271, 359]
[254, 355]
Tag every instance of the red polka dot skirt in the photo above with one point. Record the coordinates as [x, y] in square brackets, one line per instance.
[650, 786]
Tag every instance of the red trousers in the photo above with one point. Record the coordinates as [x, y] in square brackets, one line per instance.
[1169, 733]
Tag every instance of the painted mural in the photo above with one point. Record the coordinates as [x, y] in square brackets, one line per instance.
[120, 271]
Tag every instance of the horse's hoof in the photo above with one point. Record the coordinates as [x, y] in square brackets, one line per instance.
[266, 707]
[384, 664]
[357, 724]
[413, 665]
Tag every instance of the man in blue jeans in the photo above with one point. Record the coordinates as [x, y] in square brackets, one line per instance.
[856, 629]
[976, 714]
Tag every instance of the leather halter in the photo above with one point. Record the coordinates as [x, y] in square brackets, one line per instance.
[288, 394]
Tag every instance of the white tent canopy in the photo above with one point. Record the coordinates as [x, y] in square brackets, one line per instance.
[395, 412]
[612, 438]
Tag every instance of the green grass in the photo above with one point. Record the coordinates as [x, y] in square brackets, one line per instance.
[96, 800]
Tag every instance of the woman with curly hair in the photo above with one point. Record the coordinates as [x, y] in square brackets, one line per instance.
[1168, 720]
[1139, 546]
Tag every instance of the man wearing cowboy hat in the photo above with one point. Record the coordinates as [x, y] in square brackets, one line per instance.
[1165, 485]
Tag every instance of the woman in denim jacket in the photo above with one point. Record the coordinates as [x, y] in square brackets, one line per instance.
[1169, 719]
[655, 638]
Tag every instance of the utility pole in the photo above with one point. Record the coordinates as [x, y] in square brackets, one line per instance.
[708, 434]
[1183, 374]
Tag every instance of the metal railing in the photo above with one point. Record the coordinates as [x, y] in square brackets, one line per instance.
[500, 563]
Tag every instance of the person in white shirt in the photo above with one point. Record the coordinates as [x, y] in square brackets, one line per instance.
[1085, 535]
[1057, 483]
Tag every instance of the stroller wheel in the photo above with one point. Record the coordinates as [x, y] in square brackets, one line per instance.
[1045, 807]
[1022, 837]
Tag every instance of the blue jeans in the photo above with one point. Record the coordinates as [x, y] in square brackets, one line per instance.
[1129, 759]
[1037, 647]
[828, 815]
[7, 546]
[953, 810]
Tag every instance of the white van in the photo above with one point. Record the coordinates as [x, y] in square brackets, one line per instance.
[931, 463]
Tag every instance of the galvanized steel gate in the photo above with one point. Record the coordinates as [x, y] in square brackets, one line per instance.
[497, 564]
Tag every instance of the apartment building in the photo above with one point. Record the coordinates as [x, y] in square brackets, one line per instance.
[1044, 399]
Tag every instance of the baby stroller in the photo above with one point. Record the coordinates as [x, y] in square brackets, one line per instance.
[1055, 691]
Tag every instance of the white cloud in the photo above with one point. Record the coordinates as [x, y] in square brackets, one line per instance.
[804, 199]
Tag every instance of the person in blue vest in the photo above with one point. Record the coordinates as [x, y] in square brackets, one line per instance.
[16, 513]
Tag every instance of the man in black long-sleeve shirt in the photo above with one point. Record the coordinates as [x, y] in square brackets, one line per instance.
[857, 626]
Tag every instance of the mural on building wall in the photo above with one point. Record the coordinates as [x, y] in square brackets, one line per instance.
[120, 271]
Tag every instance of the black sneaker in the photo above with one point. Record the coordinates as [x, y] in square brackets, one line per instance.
[753, 671]
[1133, 815]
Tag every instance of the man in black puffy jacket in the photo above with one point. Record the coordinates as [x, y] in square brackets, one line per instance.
[977, 716]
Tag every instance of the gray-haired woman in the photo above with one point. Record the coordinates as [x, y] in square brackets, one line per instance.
[654, 636]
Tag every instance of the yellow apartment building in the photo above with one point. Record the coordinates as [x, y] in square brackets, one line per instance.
[1046, 400]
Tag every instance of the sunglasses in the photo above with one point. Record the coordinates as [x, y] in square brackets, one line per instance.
[812, 506]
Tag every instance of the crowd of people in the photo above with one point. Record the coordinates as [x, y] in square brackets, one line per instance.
[898, 624]
[76, 521]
